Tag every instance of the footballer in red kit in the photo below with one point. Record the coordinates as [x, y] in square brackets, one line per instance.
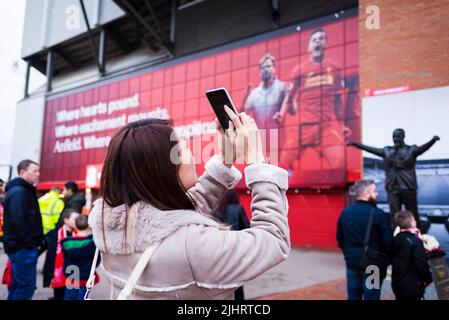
[320, 111]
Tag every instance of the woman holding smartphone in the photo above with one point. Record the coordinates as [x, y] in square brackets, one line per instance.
[151, 195]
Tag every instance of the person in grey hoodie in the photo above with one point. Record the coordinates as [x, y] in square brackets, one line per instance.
[151, 193]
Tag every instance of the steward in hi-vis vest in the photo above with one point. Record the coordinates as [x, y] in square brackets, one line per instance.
[51, 207]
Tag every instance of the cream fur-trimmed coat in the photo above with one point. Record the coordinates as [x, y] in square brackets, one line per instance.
[197, 258]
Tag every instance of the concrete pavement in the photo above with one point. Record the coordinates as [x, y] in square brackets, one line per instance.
[306, 274]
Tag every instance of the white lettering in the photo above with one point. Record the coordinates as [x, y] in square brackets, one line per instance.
[64, 115]
[102, 125]
[92, 142]
[68, 145]
[159, 113]
[131, 102]
[196, 128]
[66, 131]
[99, 108]
[188, 310]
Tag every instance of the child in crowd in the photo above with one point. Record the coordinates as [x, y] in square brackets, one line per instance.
[54, 262]
[79, 252]
[411, 271]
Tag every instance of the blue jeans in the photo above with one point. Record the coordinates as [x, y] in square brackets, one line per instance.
[74, 294]
[23, 284]
[357, 286]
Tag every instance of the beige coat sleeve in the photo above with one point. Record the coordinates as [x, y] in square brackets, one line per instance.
[227, 259]
[211, 186]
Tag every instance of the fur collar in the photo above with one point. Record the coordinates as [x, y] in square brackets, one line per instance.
[153, 225]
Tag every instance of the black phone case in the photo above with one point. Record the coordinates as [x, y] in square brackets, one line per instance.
[217, 100]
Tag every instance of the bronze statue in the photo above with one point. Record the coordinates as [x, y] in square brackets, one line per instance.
[399, 166]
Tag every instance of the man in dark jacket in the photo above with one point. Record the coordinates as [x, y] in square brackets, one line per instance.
[74, 200]
[351, 229]
[23, 232]
[411, 271]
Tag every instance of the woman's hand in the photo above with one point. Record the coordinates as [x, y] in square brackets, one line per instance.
[225, 145]
[244, 137]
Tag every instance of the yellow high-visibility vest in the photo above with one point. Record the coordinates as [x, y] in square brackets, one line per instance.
[51, 208]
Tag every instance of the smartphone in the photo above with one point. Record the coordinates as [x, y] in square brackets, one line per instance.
[218, 98]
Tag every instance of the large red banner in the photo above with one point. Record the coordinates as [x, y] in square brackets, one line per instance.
[301, 87]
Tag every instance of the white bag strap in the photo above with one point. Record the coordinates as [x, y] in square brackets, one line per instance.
[91, 280]
[137, 272]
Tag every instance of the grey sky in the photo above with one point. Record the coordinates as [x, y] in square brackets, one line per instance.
[12, 71]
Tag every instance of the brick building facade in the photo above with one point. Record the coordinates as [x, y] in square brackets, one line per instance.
[410, 48]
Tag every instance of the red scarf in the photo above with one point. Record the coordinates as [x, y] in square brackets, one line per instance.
[59, 279]
[414, 231]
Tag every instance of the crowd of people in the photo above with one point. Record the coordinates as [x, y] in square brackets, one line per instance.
[52, 224]
[194, 230]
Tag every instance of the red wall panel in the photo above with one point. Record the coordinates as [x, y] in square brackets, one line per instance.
[179, 89]
[312, 218]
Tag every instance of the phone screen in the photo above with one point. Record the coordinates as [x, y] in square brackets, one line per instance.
[218, 98]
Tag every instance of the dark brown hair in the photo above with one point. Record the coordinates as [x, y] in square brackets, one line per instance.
[404, 219]
[71, 185]
[138, 168]
[230, 197]
[81, 222]
[68, 213]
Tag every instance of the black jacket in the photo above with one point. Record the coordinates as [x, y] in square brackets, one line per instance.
[351, 232]
[49, 264]
[411, 272]
[77, 202]
[234, 216]
[22, 222]
[79, 252]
